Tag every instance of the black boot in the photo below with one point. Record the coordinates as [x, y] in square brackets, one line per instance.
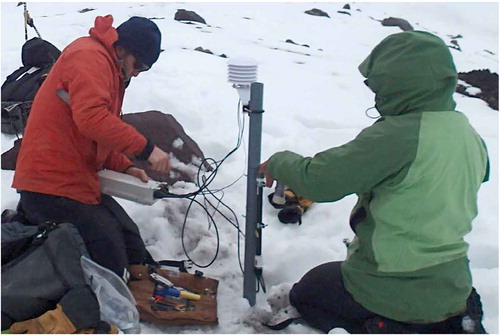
[467, 323]
[473, 316]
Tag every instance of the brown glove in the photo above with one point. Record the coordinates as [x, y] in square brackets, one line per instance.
[101, 328]
[56, 322]
[294, 207]
[52, 322]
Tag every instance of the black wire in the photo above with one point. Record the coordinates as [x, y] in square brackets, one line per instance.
[203, 190]
[183, 229]
[260, 280]
[236, 225]
[213, 174]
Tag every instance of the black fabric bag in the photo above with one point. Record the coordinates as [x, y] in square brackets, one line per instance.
[14, 116]
[16, 239]
[39, 53]
[43, 266]
[21, 86]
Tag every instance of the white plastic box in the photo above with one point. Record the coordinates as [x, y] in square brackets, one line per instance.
[127, 187]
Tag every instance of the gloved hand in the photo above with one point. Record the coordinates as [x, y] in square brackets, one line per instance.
[101, 328]
[291, 214]
[295, 205]
[52, 322]
[78, 311]
[57, 322]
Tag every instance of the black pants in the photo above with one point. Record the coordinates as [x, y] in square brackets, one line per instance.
[111, 237]
[324, 303]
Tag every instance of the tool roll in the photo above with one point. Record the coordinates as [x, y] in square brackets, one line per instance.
[172, 297]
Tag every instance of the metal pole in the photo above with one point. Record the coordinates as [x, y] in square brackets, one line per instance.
[253, 224]
[25, 13]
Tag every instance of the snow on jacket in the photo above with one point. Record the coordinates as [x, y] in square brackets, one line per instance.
[64, 146]
[416, 171]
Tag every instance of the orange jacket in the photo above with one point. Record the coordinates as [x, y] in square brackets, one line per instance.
[64, 146]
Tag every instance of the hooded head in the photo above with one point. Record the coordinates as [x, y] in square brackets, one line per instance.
[410, 72]
[142, 38]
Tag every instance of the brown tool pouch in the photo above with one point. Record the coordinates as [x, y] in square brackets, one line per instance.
[196, 312]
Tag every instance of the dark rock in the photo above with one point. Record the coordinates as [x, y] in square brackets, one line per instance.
[316, 12]
[164, 130]
[455, 45]
[207, 51]
[188, 15]
[346, 6]
[455, 37]
[490, 52]
[292, 42]
[486, 81]
[291, 51]
[204, 50]
[85, 10]
[463, 90]
[397, 22]
[343, 12]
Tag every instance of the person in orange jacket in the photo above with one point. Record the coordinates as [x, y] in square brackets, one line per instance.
[74, 130]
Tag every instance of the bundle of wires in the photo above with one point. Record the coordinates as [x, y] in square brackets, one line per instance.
[210, 198]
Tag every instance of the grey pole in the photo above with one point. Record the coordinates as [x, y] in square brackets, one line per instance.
[253, 221]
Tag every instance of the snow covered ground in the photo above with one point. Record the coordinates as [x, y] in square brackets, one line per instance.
[314, 98]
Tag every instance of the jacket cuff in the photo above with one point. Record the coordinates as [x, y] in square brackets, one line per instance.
[146, 152]
[128, 167]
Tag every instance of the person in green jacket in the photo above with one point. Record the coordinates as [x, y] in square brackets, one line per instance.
[416, 171]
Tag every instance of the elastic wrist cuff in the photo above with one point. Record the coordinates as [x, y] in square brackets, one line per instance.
[146, 152]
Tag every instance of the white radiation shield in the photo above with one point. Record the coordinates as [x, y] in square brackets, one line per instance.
[242, 72]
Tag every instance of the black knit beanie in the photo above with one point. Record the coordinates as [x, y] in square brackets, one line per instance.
[142, 38]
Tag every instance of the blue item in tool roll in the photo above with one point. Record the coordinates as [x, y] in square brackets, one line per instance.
[173, 292]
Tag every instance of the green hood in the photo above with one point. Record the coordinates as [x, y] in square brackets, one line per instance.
[410, 72]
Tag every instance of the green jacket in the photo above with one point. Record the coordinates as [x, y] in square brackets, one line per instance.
[416, 171]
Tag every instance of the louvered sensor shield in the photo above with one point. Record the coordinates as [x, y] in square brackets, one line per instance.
[242, 72]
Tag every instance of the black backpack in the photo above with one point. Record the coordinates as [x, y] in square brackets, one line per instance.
[41, 268]
[20, 87]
